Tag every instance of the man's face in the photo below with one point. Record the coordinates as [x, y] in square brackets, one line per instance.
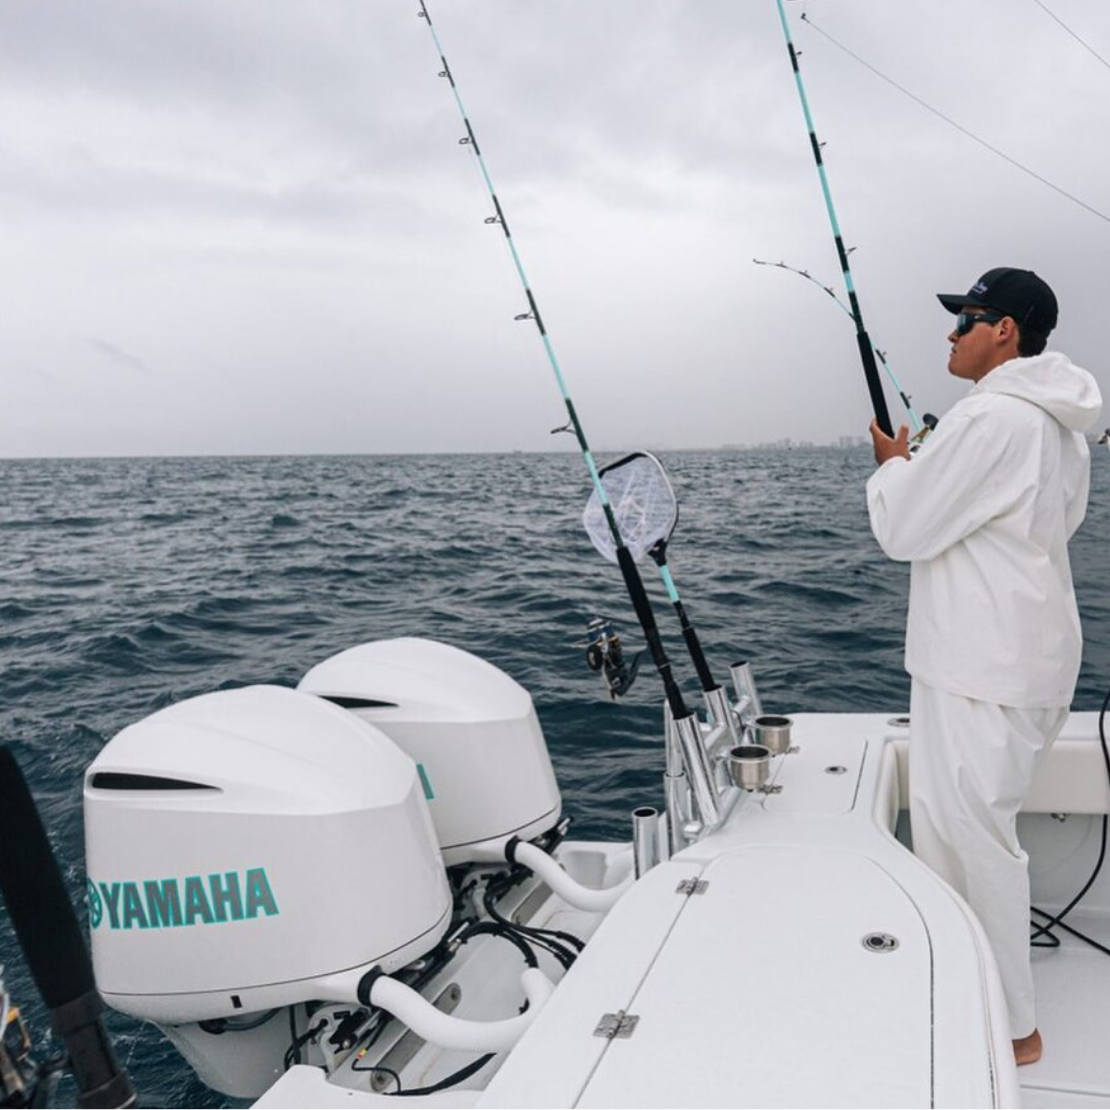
[975, 353]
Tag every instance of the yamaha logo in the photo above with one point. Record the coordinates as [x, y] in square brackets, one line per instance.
[96, 905]
[196, 900]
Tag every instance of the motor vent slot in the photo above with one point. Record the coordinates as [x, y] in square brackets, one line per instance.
[357, 703]
[114, 780]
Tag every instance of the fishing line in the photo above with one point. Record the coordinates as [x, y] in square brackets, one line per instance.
[959, 127]
[915, 420]
[631, 575]
[866, 347]
[1086, 45]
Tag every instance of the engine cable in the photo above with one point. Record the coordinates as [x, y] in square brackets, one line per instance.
[1057, 920]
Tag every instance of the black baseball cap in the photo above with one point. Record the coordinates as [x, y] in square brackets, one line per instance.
[1017, 293]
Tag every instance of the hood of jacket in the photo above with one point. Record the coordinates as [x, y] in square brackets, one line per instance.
[1053, 382]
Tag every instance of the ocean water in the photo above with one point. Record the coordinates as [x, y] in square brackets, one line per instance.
[127, 584]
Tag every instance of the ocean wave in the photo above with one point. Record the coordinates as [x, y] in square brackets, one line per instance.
[131, 584]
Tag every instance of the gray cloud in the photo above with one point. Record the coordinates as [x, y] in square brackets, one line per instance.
[117, 356]
[269, 201]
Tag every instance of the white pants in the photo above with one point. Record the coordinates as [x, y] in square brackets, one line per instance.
[971, 766]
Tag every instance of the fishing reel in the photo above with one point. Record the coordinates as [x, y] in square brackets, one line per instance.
[605, 656]
[929, 423]
[22, 1081]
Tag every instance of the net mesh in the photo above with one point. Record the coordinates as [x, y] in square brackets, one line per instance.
[643, 504]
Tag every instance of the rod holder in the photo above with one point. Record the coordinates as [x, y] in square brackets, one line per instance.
[675, 766]
[679, 817]
[720, 713]
[676, 789]
[749, 766]
[772, 733]
[748, 705]
[663, 839]
[645, 839]
[698, 774]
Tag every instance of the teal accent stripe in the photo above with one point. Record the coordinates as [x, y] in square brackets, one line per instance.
[429, 793]
[668, 581]
[548, 347]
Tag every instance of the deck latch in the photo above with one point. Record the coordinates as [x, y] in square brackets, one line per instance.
[692, 886]
[618, 1025]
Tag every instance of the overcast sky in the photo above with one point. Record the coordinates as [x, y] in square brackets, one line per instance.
[249, 227]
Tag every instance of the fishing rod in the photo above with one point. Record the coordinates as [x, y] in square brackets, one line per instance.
[625, 561]
[866, 348]
[646, 509]
[48, 932]
[914, 419]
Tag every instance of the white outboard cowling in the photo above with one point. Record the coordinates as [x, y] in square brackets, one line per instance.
[246, 848]
[471, 729]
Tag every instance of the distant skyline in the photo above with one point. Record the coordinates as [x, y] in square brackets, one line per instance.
[251, 229]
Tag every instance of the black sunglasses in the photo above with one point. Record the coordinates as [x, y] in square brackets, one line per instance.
[967, 320]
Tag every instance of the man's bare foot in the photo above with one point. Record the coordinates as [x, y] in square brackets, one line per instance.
[1027, 1050]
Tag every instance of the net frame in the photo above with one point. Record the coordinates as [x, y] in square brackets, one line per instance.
[642, 501]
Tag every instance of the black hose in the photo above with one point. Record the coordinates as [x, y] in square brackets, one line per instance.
[500, 930]
[575, 942]
[1053, 921]
[550, 939]
[455, 1077]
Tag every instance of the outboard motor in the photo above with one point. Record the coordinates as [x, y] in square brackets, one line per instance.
[471, 729]
[252, 849]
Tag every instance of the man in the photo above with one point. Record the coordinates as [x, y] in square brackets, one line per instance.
[983, 512]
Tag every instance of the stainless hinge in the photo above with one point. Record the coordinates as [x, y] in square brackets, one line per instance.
[692, 886]
[620, 1024]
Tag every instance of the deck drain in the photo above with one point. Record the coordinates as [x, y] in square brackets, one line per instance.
[879, 942]
[836, 769]
[899, 722]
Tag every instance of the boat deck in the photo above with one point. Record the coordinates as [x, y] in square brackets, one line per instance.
[1073, 992]
[723, 1020]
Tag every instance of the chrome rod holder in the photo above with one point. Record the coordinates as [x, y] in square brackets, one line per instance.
[747, 696]
[680, 821]
[676, 789]
[645, 839]
[698, 773]
[721, 713]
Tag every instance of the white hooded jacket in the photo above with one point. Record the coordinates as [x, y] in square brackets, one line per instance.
[984, 512]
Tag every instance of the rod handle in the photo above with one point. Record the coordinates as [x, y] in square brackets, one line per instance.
[874, 385]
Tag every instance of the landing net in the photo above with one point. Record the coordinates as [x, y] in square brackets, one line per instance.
[642, 502]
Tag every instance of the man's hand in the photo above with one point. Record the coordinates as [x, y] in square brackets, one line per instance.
[887, 448]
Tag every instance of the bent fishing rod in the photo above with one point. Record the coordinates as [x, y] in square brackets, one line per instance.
[866, 348]
[625, 561]
[914, 418]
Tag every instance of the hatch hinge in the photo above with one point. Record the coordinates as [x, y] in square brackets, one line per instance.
[692, 886]
[619, 1025]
